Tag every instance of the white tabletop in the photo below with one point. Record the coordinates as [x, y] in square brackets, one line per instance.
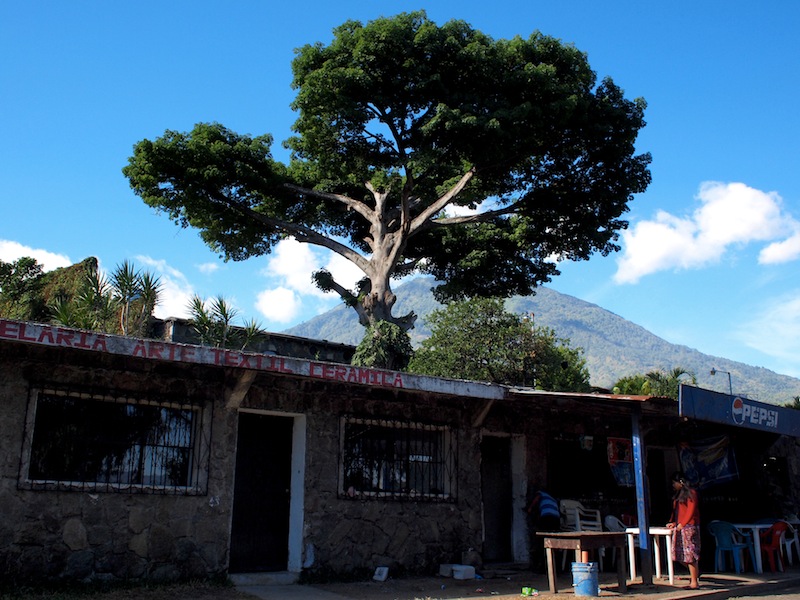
[656, 532]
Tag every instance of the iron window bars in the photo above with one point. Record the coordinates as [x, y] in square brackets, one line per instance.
[398, 460]
[103, 442]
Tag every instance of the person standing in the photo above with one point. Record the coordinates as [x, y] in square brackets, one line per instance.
[545, 516]
[686, 523]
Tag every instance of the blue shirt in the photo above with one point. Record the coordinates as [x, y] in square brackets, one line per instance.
[548, 507]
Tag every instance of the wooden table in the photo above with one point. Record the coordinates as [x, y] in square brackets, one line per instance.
[655, 532]
[583, 541]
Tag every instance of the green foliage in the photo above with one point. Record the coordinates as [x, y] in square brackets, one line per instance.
[214, 324]
[385, 345]
[136, 293]
[634, 385]
[400, 121]
[123, 303]
[479, 340]
[794, 403]
[656, 383]
[20, 289]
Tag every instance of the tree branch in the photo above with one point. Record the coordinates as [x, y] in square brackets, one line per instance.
[420, 220]
[476, 218]
[301, 233]
[350, 300]
[350, 203]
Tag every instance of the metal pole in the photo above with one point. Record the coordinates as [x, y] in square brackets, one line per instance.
[714, 371]
[642, 498]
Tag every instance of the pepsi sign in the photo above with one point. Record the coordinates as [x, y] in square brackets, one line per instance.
[705, 405]
[746, 411]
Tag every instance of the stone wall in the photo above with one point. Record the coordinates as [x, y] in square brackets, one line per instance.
[344, 535]
[71, 534]
[85, 535]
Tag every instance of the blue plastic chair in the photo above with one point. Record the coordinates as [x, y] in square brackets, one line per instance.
[729, 538]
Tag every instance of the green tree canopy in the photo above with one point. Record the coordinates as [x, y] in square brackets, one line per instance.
[664, 384]
[418, 147]
[478, 339]
[20, 289]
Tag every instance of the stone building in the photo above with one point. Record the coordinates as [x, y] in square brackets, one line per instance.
[139, 459]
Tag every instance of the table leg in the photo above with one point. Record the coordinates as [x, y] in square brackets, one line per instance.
[757, 548]
[657, 549]
[551, 571]
[632, 555]
[670, 564]
[621, 574]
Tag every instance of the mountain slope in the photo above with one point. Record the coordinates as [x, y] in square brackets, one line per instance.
[613, 347]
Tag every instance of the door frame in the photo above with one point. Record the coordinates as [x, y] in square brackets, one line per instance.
[297, 484]
[520, 543]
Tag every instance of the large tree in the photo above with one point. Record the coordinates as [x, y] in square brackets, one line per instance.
[418, 148]
[479, 339]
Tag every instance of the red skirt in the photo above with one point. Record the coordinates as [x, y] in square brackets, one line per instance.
[686, 544]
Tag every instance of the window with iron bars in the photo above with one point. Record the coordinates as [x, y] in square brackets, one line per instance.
[99, 442]
[397, 460]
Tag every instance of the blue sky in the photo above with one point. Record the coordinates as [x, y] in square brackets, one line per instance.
[712, 253]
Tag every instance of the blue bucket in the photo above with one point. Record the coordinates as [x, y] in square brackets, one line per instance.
[585, 579]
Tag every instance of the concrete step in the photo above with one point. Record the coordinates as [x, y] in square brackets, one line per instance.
[265, 578]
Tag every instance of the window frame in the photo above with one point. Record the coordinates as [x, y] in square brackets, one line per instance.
[445, 460]
[198, 447]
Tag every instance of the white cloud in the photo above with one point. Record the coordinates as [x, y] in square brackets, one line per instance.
[208, 268]
[11, 251]
[776, 331]
[781, 252]
[176, 291]
[280, 304]
[289, 269]
[343, 271]
[293, 263]
[729, 215]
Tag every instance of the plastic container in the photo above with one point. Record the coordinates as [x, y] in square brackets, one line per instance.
[446, 570]
[463, 572]
[585, 579]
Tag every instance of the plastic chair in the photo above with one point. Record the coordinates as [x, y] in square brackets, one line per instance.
[576, 517]
[612, 523]
[772, 541]
[791, 539]
[568, 517]
[729, 538]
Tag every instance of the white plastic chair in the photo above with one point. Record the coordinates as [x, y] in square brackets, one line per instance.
[576, 517]
[791, 539]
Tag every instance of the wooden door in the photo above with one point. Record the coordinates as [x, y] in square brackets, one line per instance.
[260, 523]
[496, 489]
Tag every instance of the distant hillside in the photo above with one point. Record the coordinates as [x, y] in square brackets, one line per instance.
[613, 347]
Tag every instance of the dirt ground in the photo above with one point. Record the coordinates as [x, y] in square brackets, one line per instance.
[501, 586]
[429, 588]
[187, 591]
[413, 588]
